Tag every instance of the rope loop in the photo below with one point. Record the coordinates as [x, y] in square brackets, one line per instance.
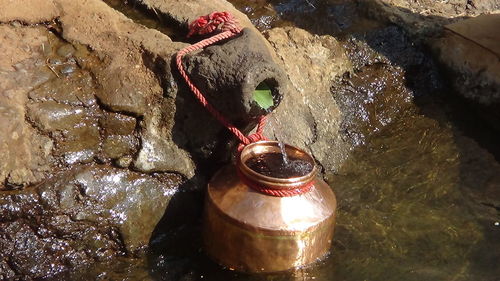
[228, 25]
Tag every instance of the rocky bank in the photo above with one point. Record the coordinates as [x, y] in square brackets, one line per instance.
[99, 132]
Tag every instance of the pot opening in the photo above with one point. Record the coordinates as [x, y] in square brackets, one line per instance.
[274, 165]
[263, 163]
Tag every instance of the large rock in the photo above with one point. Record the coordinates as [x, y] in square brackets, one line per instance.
[427, 17]
[228, 75]
[469, 52]
[130, 82]
[309, 117]
[344, 92]
[79, 216]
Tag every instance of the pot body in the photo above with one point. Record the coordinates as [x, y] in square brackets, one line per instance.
[250, 231]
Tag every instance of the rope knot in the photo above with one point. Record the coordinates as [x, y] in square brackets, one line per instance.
[222, 21]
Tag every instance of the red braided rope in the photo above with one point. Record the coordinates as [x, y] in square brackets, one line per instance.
[273, 191]
[229, 27]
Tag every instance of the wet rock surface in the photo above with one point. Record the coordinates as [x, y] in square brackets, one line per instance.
[371, 99]
[342, 16]
[390, 72]
[87, 214]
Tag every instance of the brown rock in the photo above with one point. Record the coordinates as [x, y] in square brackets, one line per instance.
[426, 17]
[77, 217]
[116, 146]
[117, 124]
[51, 116]
[26, 154]
[78, 90]
[34, 12]
[80, 144]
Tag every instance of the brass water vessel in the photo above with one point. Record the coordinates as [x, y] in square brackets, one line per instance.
[249, 231]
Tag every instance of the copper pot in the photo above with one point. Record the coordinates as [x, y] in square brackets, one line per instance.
[247, 230]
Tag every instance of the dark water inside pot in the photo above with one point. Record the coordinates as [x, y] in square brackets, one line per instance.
[274, 165]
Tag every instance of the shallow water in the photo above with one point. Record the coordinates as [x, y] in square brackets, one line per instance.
[334, 17]
[403, 214]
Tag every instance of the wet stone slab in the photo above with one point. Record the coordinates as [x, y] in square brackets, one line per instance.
[91, 213]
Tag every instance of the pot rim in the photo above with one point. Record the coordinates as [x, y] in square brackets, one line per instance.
[263, 147]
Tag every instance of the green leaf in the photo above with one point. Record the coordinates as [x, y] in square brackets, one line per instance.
[263, 96]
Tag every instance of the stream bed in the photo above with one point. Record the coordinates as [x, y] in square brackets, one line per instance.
[413, 196]
[404, 214]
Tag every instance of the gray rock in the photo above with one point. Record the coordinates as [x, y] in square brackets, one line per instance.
[309, 117]
[230, 73]
[157, 152]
